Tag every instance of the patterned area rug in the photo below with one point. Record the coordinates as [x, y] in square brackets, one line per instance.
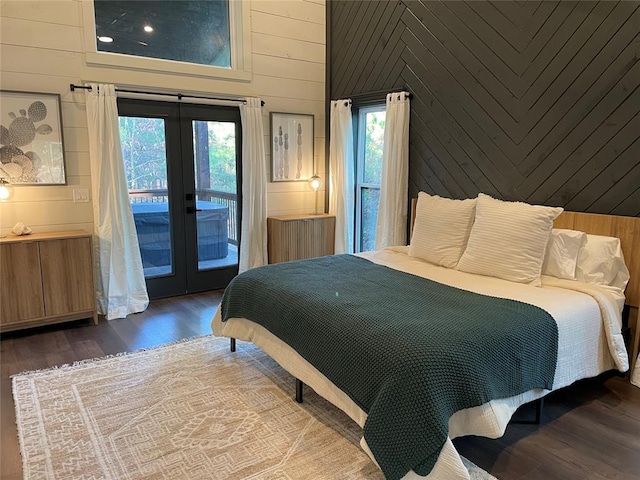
[190, 410]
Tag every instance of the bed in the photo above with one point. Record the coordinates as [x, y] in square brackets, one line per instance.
[587, 317]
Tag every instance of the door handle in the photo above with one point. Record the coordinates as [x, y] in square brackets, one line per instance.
[193, 210]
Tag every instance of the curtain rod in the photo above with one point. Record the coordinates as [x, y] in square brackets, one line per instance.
[381, 92]
[179, 95]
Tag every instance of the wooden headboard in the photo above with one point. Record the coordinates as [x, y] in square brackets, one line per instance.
[627, 229]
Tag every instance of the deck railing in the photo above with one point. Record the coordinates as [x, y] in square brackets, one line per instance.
[230, 200]
[149, 196]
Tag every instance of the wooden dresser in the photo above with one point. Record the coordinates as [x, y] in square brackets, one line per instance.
[295, 237]
[46, 278]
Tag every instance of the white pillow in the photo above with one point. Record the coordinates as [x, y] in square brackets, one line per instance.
[562, 253]
[441, 229]
[601, 262]
[508, 240]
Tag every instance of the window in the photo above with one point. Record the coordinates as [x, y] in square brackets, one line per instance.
[185, 31]
[369, 144]
[208, 38]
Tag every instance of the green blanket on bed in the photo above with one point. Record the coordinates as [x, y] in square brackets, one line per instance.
[409, 351]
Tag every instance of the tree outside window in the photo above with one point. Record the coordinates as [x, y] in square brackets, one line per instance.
[144, 154]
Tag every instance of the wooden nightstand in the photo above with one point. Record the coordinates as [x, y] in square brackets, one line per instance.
[295, 237]
[46, 278]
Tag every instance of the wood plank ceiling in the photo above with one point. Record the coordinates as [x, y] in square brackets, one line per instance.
[524, 100]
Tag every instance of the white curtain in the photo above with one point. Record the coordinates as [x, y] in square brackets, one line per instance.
[635, 375]
[253, 236]
[120, 285]
[391, 226]
[341, 171]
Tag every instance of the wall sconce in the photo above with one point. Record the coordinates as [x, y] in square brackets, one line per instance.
[6, 190]
[315, 183]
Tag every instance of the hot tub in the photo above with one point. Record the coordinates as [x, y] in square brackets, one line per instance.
[154, 236]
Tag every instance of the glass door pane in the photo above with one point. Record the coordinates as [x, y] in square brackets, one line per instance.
[145, 164]
[369, 201]
[214, 148]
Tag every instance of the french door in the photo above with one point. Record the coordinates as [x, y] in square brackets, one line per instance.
[183, 169]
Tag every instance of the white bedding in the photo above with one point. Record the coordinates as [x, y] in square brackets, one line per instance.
[589, 343]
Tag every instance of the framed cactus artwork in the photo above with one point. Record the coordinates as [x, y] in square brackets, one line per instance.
[31, 147]
[291, 147]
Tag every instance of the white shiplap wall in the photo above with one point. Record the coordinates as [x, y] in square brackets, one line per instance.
[41, 50]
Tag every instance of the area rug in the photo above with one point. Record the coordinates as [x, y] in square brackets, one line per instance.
[190, 410]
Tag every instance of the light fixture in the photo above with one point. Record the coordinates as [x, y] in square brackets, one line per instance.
[315, 183]
[105, 39]
[148, 28]
[6, 190]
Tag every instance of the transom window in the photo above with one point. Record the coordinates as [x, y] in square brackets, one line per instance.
[197, 38]
[370, 142]
[186, 31]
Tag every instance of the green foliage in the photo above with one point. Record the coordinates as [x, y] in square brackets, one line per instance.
[144, 152]
[222, 156]
[373, 145]
[372, 174]
[370, 201]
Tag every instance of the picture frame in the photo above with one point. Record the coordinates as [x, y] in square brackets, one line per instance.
[292, 148]
[31, 138]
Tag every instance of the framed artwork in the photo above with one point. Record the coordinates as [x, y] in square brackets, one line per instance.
[291, 147]
[31, 147]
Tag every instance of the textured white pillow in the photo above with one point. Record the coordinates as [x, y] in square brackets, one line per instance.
[441, 229]
[562, 253]
[508, 240]
[601, 262]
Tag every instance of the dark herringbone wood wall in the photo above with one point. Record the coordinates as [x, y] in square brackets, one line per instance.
[523, 100]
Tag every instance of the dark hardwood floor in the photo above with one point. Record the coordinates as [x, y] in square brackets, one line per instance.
[590, 430]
